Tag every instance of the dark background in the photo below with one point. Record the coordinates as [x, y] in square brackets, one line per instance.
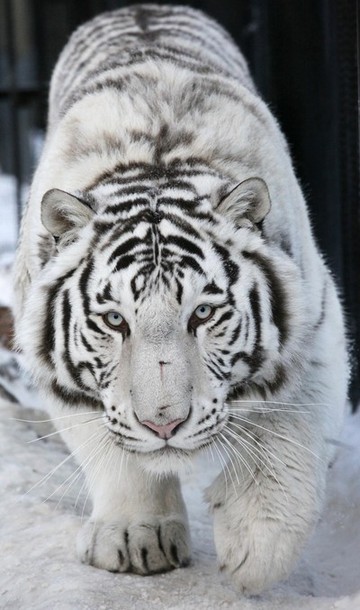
[304, 57]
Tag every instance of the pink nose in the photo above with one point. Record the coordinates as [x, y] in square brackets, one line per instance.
[165, 431]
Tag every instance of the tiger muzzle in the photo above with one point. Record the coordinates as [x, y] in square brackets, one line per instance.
[161, 387]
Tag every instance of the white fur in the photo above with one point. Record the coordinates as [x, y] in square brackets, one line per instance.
[269, 495]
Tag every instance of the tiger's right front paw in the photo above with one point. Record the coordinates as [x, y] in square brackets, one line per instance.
[149, 546]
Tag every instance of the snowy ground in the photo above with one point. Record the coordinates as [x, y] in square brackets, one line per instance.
[40, 517]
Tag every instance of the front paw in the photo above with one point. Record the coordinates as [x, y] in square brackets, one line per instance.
[255, 552]
[147, 546]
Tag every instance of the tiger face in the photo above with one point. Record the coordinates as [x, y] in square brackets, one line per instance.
[158, 316]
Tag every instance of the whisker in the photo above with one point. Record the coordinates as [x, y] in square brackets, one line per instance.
[226, 465]
[90, 480]
[223, 463]
[94, 454]
[86, 462]
[52, 472]
[266, 452]
[89, 421]
[80, 469]
[62, 484]
[254, 452]
[110, 453]
[258, 456]
[52, 419]
[40, 438]
[253, 438]
[108, 446]
[241, 458]
[289, 440]
[278, 402]
[231, 461]
[210, 447]
[262, 410]
[121, 466]
[75, 478]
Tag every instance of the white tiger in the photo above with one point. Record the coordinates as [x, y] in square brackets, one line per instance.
[159, 289]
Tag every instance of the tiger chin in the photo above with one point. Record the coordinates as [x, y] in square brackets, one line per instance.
[170, 299]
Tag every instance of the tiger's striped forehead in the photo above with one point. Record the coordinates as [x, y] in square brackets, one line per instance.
[150, 234]
[158, 251]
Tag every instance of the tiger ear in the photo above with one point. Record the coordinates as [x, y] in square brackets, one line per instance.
[248, 201]
[62, 213]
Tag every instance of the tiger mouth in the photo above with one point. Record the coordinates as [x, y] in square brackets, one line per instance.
[181, 456]
[169, 451]
[164, 451]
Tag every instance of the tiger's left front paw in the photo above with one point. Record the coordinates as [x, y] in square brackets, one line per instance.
[254, 553]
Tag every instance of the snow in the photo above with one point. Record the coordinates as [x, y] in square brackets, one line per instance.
[40, 516]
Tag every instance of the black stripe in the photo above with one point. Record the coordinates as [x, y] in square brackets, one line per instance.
[74, 371]
[179, 291]
[187, 207]
[134, 189]
[185, 244]
[226, 316]
[212, 288]
[83, 282]
[256, 358]
[321, 319]
[183, 225]
[74, 398]
[218, 375]
[125, 262]
[231, 268]
[6, 395]
[177, 168]
[109, 83]
[187, 261]
[124, 207]
[277, 293]
[47, 344]
[257, 355]
[235, 335]
[279, 379]
[247, 327]
[125, 248]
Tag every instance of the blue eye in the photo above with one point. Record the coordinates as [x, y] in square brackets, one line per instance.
[115, 320]
[203, 312]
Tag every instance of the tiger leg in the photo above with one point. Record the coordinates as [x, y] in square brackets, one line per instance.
[138, 522]
[268, 501]
[265, 510]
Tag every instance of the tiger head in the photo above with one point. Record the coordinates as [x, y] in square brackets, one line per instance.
[159, 311]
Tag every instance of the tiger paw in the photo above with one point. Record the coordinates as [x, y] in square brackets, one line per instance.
[254, 555]
[149, 546]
